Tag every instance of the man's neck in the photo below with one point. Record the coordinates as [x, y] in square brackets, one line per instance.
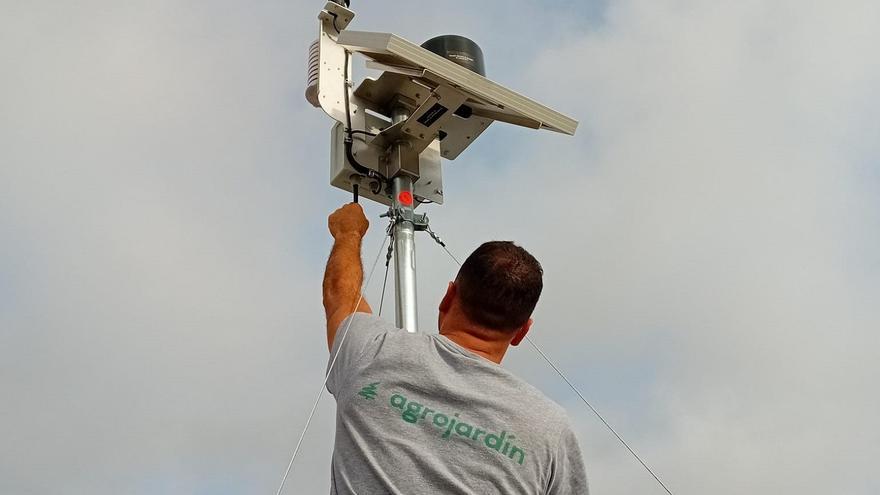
[492, 350]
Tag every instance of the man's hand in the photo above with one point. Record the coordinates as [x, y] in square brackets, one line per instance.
[348, 220]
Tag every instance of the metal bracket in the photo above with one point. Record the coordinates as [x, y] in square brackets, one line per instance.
[420, 221]
[338, 14]
[397, 215]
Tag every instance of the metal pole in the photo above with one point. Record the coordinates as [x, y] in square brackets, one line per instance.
[404, 246]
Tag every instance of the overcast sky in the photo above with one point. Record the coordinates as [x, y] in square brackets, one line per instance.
[711, 237]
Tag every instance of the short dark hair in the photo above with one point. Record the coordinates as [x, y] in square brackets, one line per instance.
[499, 285]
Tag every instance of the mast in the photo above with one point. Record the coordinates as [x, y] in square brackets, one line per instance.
[404, 236]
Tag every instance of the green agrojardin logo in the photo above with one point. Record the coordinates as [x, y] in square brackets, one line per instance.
[414, 412]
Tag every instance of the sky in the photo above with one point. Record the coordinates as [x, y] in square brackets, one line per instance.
[710, 237]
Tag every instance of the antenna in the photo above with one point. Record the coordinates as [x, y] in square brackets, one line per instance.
[392, 133]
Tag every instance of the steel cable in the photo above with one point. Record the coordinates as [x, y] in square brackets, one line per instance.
[581, 396]
[329, 369]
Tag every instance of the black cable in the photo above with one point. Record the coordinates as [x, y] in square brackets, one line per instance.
[353, 161]
[349, 140]
[368, 133]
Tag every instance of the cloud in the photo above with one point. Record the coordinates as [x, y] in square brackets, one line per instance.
[710, 238]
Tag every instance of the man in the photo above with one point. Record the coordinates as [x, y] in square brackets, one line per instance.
[437, 414]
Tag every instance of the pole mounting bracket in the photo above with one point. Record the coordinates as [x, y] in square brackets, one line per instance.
[420, 221]
[398, 215]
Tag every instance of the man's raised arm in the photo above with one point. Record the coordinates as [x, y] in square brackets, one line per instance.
[344, 274]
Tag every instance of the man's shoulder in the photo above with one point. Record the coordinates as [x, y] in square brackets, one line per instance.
[553, 414]
[365, 326]
[359, 319]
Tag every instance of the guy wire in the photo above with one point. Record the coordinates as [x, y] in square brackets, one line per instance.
[390, 234]
[385, 281]
[579, 394]
[329, 369]
[384, 285]
[601, 418]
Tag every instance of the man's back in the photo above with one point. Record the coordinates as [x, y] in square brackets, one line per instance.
[418, 414]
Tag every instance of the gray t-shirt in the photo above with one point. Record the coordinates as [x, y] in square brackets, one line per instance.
[419, 414]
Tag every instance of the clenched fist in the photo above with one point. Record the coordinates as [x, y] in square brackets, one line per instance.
[348, 220]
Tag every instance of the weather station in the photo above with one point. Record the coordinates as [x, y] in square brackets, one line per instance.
[392, 133]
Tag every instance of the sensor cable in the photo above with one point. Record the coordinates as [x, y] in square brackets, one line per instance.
[348, 143]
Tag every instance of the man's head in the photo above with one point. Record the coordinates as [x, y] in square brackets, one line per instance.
[496, 289]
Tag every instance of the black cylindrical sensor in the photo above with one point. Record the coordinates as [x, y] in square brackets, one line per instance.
[458, 49]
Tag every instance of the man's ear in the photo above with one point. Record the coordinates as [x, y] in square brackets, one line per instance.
[521, 333]
[446, 302]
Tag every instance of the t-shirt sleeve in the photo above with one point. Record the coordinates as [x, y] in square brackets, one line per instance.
[354, 335]
[568, 475]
